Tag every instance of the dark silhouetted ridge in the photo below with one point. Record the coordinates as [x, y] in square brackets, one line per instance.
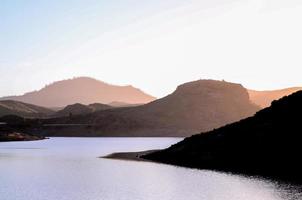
[80, 109]
[269, 144]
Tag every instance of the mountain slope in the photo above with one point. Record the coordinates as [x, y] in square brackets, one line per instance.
[269, 144]
[264, 98]
[9, 107]
[80, 109]
[82, 90]
[196, 106]
[122, 104]
[99, 106]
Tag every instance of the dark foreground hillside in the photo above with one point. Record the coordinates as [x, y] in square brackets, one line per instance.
[269, 144]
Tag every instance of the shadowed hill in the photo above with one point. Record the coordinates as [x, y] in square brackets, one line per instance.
[9, 107]
[80, 109]
[82, 90]
[264, 98]
[268, 144]
[122, 104]
[196, 106]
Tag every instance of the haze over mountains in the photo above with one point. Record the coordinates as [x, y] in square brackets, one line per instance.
[268, 143]
[9, 107]
[85, 90]
[195, 106]
[264, 98]
[82, 90]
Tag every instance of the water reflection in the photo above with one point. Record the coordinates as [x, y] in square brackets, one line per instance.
[69, 169]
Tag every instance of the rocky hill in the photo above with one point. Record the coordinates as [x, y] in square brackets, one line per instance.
[194, 107]
[80, 109]
[82, 90]
[267, 144]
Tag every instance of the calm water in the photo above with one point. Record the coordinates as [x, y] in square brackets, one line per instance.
[69, 169]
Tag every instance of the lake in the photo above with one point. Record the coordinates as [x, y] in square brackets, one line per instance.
[70, 169]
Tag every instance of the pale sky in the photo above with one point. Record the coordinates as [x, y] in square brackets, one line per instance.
[153, 45]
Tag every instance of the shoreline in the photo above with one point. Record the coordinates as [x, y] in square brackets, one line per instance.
[19, 137]
[137, 156]
[130, 156]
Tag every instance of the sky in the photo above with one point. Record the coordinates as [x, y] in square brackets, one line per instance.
[153, 45]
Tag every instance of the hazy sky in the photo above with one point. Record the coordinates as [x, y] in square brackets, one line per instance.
[154, 45]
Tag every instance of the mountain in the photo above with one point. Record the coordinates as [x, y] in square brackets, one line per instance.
[267, 144]
[82, 90]
[264, 98]
[9, 107]
[99, 106]
[195, 106]
[80, 109]
[122, 104]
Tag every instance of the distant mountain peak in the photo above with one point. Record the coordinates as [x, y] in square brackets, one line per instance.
[193, 107]
[265, 97]
[84, 90]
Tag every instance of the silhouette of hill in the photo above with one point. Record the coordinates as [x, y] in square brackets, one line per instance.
[80, 109]
[82, 90]
[9, 107]
[264, 98]
[268, 144]
[122, 104]
[196, 106]
[99, 106]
